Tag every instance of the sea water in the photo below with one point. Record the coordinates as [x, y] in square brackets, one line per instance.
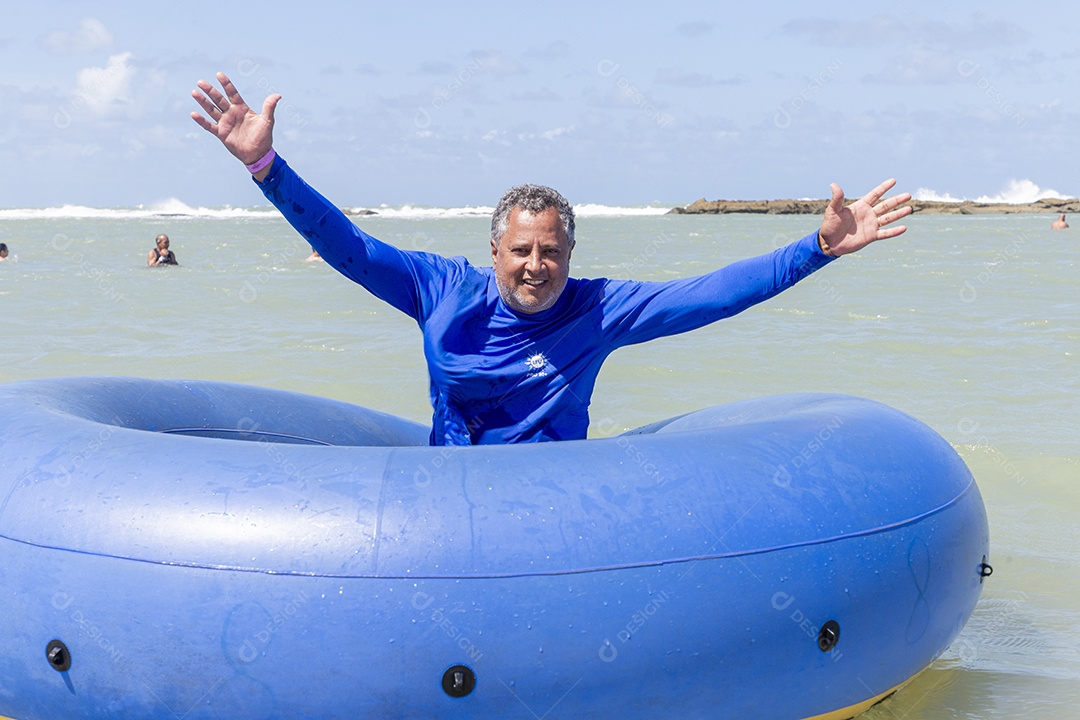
[969, 323]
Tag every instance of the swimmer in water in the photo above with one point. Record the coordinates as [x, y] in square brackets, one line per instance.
[161, 255]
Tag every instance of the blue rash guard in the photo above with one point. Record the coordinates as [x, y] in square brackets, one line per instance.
[500, 376]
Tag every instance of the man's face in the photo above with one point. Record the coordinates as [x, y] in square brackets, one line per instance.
[532, 261]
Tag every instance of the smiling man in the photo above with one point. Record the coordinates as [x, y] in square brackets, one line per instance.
[531, 241]
[513, 351]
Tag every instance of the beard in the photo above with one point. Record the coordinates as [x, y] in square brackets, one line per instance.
[517, 300]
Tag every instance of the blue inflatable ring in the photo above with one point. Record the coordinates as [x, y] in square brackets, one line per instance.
[213, 550]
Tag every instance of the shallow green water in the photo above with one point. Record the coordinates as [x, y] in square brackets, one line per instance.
[969, 323]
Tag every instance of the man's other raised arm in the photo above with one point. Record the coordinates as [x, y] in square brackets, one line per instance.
[848, 229]
[248, 135]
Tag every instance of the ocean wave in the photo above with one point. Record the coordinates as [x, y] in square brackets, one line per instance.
[1016, 192]
[166, 208]
[590, 210]
[419, 212]
[178, 209]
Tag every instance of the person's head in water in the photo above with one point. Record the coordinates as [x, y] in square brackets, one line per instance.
[162, 242]
[532, 237]
[3, 251]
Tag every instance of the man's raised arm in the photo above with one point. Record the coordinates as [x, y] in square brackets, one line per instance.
[848, 229]
[248, 135]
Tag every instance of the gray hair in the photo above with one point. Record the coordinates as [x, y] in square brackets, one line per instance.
[533, 199]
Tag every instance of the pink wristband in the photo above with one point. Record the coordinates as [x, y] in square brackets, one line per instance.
[262, 162]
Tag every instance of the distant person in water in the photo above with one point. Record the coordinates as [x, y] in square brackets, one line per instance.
[1060, 223]
[3, 252]
[161, 255]
[514, 350]
[314, 256]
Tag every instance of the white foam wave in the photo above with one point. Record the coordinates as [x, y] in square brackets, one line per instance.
[418, 212]
[166, 208]
[928, 195]
[1019, 192]
[178, 209]
[591, 210]
[1016, 192]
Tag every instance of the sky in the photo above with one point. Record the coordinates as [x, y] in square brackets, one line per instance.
[449, 104]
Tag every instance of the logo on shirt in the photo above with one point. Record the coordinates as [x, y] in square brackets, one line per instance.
[537, 364]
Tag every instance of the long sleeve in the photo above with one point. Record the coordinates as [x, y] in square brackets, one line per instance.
[409, 281]
[635, 312]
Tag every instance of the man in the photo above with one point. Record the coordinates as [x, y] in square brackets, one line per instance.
[1060, 223]
[513, 351]
[161, 254]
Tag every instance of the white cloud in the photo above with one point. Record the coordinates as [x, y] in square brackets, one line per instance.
[436, 67]
[91, 36]
[496, 136]
[552, 134]
[916, 65]
[553, 51]
[543, 94]
[549, 135]
[103, 90]
[695, 28]
[495, 62]
[691, 79]
[975, 33]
